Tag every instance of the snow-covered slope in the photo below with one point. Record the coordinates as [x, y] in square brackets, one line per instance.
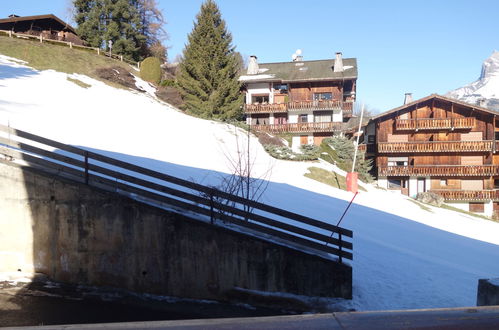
[404, 256]
[485, 89]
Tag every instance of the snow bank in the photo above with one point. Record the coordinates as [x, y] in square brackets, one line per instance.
[404, 256]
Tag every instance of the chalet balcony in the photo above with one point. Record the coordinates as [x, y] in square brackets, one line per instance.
[468, 195]
[439, 170]
[435, 146]
[434, 123]
[347, 107]
[326, 127]
[266, 108]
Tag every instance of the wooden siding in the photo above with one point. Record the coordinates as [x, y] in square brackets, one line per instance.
[305, 91]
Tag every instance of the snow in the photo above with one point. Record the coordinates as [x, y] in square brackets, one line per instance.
[404, 257]
[256, 77]
[486, 87]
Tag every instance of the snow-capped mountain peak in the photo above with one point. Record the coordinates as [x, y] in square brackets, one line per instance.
[484, 91]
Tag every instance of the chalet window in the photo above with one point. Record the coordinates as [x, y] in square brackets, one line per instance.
[323, 96]
[496, 183]
[477, 207]
[398, 161]
[371, 139]
[496, 135]
[282, 88]
[303, 119]
[443, 182]
[260, 99]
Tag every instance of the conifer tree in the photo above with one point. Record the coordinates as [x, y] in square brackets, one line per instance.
[122, 22]
[208, 77]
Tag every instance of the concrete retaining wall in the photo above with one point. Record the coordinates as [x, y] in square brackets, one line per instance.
[78, 234]
[488, 292]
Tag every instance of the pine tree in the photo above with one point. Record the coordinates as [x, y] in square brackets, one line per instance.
[208, 77]
[119, 21]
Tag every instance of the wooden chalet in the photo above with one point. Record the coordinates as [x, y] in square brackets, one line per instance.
[48, 26]
[441, 145]
[310, 100]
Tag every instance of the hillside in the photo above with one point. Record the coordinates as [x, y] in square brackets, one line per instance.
[405, 256]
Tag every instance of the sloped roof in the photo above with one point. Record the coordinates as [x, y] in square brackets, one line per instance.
[14, 19]
[437, 97]
[303, 71]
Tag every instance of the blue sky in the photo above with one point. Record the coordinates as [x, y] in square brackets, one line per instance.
[423, 46]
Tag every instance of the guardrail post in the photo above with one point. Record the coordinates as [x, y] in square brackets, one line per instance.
[70, 44]
[98, 51]
[121, 58]
[341, 247]
[10, 33]
[86, 167]
[41, 38]
[212, 213]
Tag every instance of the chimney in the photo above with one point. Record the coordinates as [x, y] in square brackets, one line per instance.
[338, 63]
[407, 98]
[482, 102]
[252, 65]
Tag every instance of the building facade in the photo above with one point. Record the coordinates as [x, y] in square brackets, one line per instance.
[440, 145]
[47, 26]
[310, 100]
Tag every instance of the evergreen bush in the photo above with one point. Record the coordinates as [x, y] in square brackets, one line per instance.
[309, 152]
[341, 150]
[150, 70]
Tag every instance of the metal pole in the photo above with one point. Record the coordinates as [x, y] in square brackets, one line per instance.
[358, 138]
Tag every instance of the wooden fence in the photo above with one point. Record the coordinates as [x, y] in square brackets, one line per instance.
[161, 189]
[98, 51]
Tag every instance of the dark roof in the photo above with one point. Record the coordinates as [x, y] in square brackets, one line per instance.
[437, 97]
[59, 23]
[305, 71]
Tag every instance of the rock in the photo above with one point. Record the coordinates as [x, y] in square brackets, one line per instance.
[430, 198]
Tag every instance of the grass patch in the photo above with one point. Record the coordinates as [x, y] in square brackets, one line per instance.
[421, 205]
[63, 59]
[452, 208]
[79, 82]
[332, 179]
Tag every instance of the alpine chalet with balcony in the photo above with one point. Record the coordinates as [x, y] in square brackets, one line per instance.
[441, 145]
[309, 100]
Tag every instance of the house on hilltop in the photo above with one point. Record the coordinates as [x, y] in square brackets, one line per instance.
[440, 145]
[48, 26]
[310, 100]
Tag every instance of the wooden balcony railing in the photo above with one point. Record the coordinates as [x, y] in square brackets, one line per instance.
[434, 123]
[265, 108]
[468, 195]
[439, 170]
[436, 146]
[347, 107]
[300, 128]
